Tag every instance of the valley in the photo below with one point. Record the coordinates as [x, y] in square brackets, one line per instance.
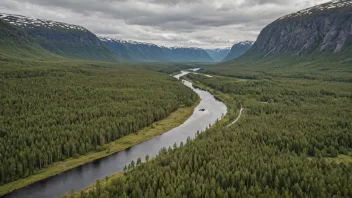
[98, 169]
[278, 133]
[120, 106]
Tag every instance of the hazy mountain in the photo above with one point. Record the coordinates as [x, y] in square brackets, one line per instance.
[63, 39]
[238, 49]
[147, 52]
[322, 28]
[218, 54]
[188, 54]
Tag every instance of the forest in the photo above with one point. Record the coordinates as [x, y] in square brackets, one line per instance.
[289, 142]
[54, 110]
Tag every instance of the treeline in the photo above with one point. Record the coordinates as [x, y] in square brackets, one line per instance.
[283, 146]
[53, 111]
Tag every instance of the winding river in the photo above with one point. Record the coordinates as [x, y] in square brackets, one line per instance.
[85, 175]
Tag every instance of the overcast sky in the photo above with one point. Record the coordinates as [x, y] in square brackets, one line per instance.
[197, 23]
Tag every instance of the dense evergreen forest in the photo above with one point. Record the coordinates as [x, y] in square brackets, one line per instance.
[51, 111]
[294, 139]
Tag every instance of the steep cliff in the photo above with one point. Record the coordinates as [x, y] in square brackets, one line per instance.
[238, 49]
[63, 39]
[147, 52]
[323, 28]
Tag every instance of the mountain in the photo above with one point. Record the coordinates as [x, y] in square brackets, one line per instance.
[17, 44]
[218, 54]
[188, 54]
[322, 28]
[147, 52]
[315, 43]
[238, 49]
[70, 41]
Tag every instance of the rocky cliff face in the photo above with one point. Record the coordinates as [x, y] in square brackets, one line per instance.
[323, 28]
[147, 52]
[238, 49]
[67, 40]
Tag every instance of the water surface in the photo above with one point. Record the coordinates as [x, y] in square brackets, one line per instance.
[85, 175]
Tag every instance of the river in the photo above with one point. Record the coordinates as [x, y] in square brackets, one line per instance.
[85, 175]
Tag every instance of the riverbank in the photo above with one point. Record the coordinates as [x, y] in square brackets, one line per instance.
[103, 182]
[225, 98]
[232, 110]
[173, 120]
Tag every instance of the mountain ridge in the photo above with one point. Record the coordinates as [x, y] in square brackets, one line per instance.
[70, 41]
[149, 52]
[218, 54]
[17, 44]
[237, 50]
[322, 28]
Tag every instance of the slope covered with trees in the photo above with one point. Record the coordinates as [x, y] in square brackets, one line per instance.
[66, 40]
[54, 110]
[285, 144]
[16, 44]
[294, 137]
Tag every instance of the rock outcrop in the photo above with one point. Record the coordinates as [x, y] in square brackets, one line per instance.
[323, 28]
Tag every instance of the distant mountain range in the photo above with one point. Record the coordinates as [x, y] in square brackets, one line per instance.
[147, 52]
[218, 54]
[76, 42]
[238, 49]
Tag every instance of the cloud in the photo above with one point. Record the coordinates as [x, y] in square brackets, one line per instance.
[200, 23]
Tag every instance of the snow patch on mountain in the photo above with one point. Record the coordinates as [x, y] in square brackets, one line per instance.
[28, 22]
[323, 7]
[219, 49]
[107, 39]
[246, 43]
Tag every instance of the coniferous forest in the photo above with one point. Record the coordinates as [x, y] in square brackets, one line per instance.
[56, 110]
[69, 97]
[293, 140]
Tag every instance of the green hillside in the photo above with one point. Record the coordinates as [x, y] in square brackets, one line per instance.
[66, 40]
[53, 110]
[16, 44]
[320, 66]
[291, 98]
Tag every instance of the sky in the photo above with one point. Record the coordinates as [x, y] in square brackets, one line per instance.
[189, 23]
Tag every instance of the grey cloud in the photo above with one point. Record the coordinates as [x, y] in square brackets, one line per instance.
[203, 23]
